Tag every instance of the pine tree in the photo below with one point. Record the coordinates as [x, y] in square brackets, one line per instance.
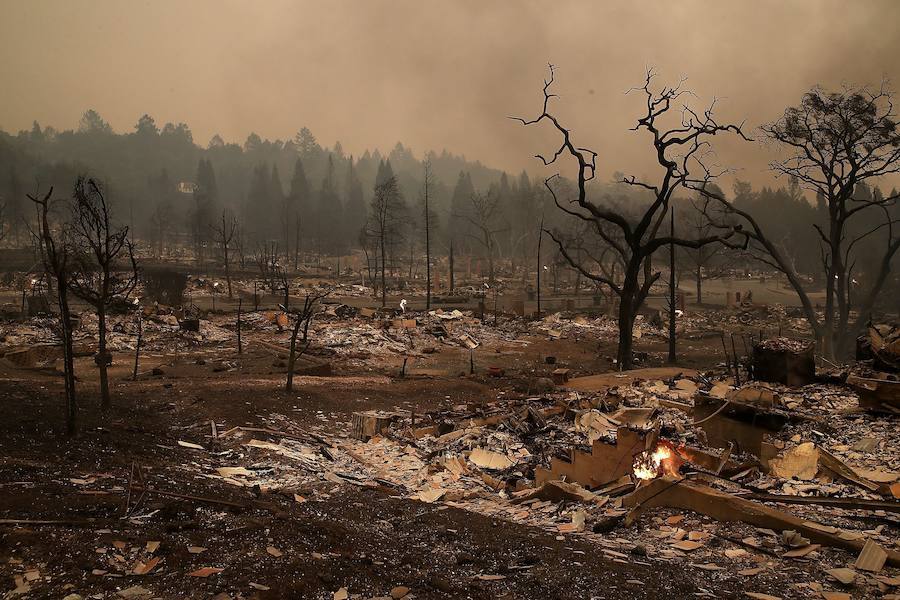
[162, 191]
[298, 208]
[278, 202]
[306, 142]
[523, 217]
[212, 188]
[145, 126]
[276, 191]
[504, 211]
[385, 226]
[92, 122]
[259, 209]
[13, 204]
[355, 207]
[460, 208]
[330, 213]
[385, 172]
[205, 192]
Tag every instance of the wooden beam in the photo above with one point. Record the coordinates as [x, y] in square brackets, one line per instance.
[687, 495]
[848, 503]
[836, 466]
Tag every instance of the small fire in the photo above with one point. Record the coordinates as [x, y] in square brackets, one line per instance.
[647, 464]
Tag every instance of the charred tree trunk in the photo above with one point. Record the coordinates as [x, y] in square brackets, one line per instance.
[55, 257]
[65, 320]
[631, 298]
[292, 356]
[227, 272]
[383, 282]
[304, 318]
[624, 353]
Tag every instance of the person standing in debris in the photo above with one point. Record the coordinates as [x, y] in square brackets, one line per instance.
[403, 305]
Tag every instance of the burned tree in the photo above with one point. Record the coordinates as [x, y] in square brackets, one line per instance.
[678, 147]
[303, 317]
[56, 257]
[203, 213]
[385, 224]
[706, 261]
[484, 220]
[96, 276]
[273, 270]
[837, 142]
[594, 253]
[366, 243]
[225, 232]
[240, 238]
[266, 259]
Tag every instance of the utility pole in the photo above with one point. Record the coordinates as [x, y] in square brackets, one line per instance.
[672, 286]
[451, 261]
[427, 241]
[540, 238]
[137, 346]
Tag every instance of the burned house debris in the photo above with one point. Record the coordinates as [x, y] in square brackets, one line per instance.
[654, 466]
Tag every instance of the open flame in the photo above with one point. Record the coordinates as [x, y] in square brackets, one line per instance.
[647, 465]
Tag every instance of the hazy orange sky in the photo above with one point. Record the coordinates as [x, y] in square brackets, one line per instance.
[431, 74]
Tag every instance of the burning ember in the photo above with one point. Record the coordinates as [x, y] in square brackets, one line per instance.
[649, 465]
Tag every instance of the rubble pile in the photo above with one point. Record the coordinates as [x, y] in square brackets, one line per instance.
[783, 473]
[364, 335]
[633, 469]
[560, 325]
[771, 318]
[36, 330]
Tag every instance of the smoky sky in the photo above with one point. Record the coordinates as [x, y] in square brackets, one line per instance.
[433, 74]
